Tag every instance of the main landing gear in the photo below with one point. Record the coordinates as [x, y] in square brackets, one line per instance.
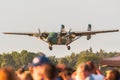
[50, 46]
[68, 47]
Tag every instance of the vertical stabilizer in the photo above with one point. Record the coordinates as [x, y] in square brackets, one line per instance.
[89, 29]
[62, 29]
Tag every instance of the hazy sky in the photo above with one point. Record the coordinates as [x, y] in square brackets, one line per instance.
[48, 15]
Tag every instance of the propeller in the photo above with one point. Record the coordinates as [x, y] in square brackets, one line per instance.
[40, 35]
[69, 31]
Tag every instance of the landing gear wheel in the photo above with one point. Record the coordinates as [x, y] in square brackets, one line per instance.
[68, 47]
[50, 47]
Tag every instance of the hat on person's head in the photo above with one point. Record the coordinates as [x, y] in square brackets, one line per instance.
[39, 60]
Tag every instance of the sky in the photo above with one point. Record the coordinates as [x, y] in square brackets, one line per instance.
[48, 15]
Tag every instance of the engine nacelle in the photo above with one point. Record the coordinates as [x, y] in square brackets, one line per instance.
[72, 36]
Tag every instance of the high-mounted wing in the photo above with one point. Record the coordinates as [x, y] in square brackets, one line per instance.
[89, 33]
[39, 35]
[92, 32]
[16, 33]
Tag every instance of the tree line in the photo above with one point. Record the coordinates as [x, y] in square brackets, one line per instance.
[18, 59]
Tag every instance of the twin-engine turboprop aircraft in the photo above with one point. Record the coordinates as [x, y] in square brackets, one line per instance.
[62, 37]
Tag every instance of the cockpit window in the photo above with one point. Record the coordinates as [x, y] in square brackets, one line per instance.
[52, 34]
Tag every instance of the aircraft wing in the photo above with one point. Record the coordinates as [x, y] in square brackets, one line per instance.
[44, 34]
[16, 33]
[86, 33]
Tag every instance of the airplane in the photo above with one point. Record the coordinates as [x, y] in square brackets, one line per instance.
[63, 37]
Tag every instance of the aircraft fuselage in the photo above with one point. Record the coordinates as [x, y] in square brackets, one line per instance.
[55, 38]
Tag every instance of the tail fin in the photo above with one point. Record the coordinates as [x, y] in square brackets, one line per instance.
[89, 29]
[62, 29]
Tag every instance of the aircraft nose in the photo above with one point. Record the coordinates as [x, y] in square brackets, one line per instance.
[49, 39]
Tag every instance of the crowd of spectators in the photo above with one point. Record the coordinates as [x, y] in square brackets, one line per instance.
[42, 69]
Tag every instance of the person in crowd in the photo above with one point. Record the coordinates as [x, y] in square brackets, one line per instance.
[50, 72]
[38, 66]
[8, 73]
[112, 75]
[19, 72]
[61, 66]
[73, 76]
[26, 76]
[65, 74]
[95, 72]
[23, 74]
[83, 72]
[94, 69]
